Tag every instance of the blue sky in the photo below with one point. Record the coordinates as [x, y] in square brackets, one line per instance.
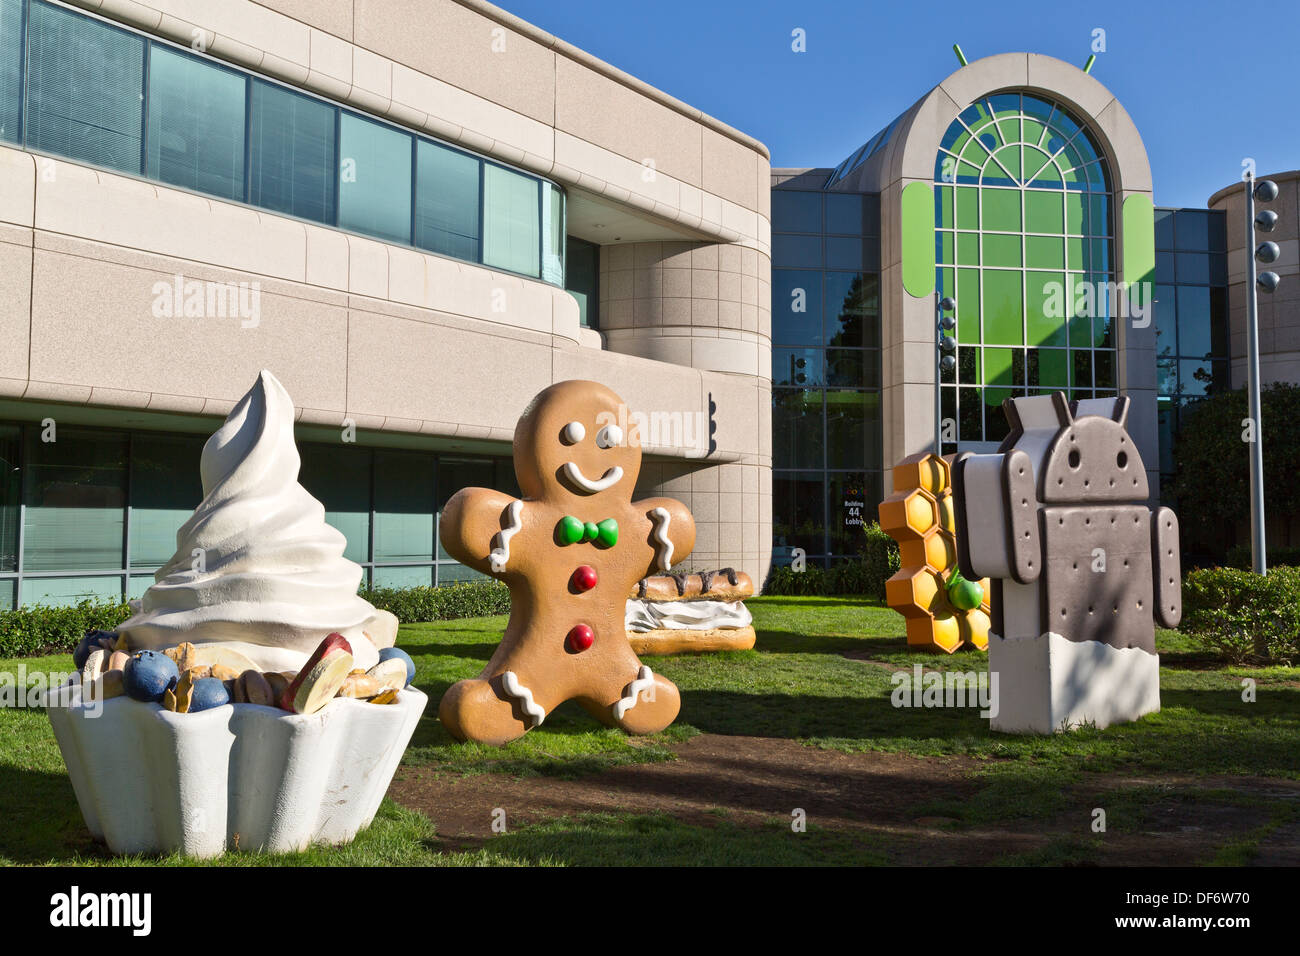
[1188, 73]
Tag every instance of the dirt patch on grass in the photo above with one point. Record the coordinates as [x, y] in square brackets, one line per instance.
[750, 780]
[890, 799]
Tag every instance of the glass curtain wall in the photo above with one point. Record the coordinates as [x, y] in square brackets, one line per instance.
[77, 87]
[89, 513]
[825, 371]
[1024, 241]
[1191, 312]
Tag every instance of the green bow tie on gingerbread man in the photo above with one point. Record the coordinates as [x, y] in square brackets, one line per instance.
[570, 531]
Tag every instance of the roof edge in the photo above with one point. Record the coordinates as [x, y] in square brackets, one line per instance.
[564, 48]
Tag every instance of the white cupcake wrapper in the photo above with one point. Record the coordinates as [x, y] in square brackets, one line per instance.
[149, 780]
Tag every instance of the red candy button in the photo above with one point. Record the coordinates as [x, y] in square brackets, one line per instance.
[581, 638]
[584, 578]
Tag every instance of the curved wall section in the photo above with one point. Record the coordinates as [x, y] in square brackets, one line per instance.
[909, 362]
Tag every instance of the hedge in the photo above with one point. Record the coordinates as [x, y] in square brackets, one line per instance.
[467, 599]
[864, 574]
[38, 629]
[1244, 616]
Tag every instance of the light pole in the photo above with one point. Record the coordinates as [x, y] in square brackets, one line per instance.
[1266, 252]
[946, 346]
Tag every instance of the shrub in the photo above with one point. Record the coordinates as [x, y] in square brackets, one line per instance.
[788, 582]
[467, 599]
[1239, 557]
[1244, 616]
[39, 629]
[864, 574]
[880, 559]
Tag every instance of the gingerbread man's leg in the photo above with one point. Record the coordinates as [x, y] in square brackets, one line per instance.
[485, 711]
[646, 703]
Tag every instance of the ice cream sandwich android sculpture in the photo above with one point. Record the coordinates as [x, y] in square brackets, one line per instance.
[1080, 566]
[570, 551]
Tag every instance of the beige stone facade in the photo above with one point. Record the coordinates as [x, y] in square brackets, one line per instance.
[1279, 311]
[418, 350]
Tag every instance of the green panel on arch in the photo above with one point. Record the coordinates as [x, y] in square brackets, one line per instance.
[1139, 239]
[918, 239]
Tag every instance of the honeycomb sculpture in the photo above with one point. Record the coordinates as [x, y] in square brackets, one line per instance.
[919, 516]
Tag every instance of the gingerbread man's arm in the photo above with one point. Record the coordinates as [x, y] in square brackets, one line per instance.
[671, 532]
[476, 527]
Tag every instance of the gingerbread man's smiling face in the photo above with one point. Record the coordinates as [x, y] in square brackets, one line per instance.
[571, 445]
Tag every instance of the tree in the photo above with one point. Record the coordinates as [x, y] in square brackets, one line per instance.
[1212, 466]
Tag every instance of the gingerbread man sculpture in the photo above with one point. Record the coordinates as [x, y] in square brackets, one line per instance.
[569, 550]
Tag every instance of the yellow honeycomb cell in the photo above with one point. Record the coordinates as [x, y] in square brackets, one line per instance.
[910, 514]
[941, 552]
[943, 634]
[916, 593]
[974, 626]
[927, 472]
[920, 516]
[947, 511]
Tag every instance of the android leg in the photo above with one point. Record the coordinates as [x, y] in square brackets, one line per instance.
[1047, 684]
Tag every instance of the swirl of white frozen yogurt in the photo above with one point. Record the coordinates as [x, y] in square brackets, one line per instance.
[256, 567]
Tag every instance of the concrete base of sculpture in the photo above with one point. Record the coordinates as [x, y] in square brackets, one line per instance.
[241, 776]
[1048, 684]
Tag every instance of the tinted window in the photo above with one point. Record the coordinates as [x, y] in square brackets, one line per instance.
[797, 251]
[196, 124]
[844, 213]
[794, 211]
[84, 85]
[511, 234]
[404, 508]
[582, 276]
[10, 490]
[76, 501]
[292, 153]
[165, 490]
[11, 79]
[446, 201]
[1191, 229]
[796, 307]
[552, 234]
[1164, 228]
[374, 179]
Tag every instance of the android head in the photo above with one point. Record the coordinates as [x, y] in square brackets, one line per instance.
[1090, 456]
[571, 445]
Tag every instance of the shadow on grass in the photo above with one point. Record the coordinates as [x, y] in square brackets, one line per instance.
[792, 642]
[803, 601]
[41, 821]
[660, 840]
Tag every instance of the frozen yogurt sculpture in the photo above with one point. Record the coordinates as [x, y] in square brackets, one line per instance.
[256, 567]
[254, 699]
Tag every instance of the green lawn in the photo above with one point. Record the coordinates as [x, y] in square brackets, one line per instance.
[820, 675]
